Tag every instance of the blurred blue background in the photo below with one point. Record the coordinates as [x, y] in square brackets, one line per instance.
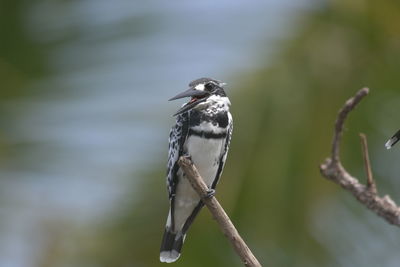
[84, 123]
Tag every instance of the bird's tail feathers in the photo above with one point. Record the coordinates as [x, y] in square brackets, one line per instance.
[171, 246]
[391, 142]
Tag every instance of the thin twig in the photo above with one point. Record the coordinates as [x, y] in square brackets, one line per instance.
[370, 179]
[333, 170]
[218, 213]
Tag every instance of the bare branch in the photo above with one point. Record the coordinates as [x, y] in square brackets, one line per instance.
[218, 213]
[333, 170]
[349, 106]
[370, 179]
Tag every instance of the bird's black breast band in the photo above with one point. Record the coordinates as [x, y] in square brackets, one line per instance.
[207, 135]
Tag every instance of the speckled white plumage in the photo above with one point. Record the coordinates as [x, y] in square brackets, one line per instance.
[204, 133]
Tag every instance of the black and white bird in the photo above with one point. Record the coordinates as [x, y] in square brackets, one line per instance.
[393, 140]
[202, 131]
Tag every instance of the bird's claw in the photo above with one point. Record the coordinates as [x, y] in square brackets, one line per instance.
[210, 193]
[187, 156]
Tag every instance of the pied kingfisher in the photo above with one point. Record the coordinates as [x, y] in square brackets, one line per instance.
[393, 140]
[202, 131]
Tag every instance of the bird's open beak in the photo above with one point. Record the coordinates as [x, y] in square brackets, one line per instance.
[188, 93]
[196, 95]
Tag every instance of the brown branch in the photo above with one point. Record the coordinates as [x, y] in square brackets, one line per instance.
[370, 179]
[218, 213]
[349, 106]
[333, 170]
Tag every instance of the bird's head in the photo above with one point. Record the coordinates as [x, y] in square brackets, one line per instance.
[200, 90]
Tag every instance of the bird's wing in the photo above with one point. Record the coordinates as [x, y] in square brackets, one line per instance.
[224, 152]
[177, 138]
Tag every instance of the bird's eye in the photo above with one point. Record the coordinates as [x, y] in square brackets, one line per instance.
[209, 86]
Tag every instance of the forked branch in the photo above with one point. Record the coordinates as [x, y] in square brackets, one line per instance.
[333, 170]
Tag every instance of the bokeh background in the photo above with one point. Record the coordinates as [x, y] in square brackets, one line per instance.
[84, 123]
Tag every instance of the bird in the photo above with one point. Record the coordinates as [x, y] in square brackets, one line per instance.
[393, 140]
[203, 131]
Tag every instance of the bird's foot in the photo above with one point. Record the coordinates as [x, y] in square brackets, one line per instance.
[187, 156]
[210, 193]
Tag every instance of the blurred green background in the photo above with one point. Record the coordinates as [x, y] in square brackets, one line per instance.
[84, 123]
